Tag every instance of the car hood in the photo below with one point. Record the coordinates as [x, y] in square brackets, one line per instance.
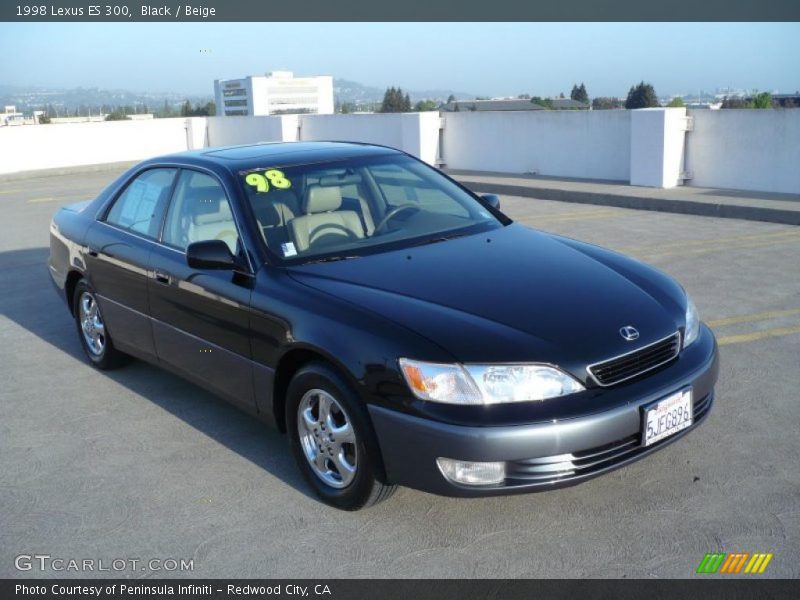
[513, 294]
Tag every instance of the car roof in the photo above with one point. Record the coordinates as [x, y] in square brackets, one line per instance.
[252, 156]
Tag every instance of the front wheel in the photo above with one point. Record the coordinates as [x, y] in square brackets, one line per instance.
[332, 440]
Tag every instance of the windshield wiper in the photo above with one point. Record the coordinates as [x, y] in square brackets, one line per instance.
[325, 259]
[436, 240]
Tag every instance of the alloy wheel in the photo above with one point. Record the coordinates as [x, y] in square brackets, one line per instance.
[92, 326]
[327, 438]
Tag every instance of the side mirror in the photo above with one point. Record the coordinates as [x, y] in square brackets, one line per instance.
[210, 254]
[492, 199]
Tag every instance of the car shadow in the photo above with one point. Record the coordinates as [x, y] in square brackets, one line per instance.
[31, 302]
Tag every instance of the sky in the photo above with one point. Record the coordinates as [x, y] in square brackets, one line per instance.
[491, 59]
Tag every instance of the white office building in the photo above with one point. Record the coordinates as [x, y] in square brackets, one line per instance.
[277, 93]
[10, 116]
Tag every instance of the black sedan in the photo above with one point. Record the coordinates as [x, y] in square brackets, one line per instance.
[400, 329]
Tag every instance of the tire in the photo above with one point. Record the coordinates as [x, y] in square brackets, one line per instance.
[348, 473]
[92, 331]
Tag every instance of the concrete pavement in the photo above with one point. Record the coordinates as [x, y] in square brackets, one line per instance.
[138, 463]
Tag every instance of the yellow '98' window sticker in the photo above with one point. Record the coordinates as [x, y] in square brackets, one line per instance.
[264, 181]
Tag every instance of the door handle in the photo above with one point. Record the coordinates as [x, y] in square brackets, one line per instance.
[94, 252]
[162, 277]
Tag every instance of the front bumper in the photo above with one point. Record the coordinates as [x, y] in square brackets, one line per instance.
[544, 456]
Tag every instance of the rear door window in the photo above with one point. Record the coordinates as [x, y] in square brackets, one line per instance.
[140, 208]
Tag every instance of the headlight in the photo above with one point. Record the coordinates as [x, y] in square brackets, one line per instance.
[692, 323]
[486, 384]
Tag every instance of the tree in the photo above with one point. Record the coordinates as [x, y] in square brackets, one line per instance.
[579, 93]
[166, 110]
[44, 118]
[186, 109]
[524, 97]
[641, 96]
[728, 102]
[348, 107]
[389, 101]
[676, 102]
[118, 114]
[762, 100]
[544, 102]
[395, 101]
[425, 106]
[561, 95]
[605, 103]
[451, 98]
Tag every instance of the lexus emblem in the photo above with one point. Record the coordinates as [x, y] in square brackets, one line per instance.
[629, 333]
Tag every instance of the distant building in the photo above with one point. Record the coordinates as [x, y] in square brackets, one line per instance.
[511, 104]
[276, 93]
[10, 116]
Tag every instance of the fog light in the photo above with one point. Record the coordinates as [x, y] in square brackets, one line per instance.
[472, 473]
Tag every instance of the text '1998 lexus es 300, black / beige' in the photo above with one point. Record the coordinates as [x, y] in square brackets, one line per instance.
[400, 329]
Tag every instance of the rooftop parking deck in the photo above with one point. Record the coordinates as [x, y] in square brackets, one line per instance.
[139, 463]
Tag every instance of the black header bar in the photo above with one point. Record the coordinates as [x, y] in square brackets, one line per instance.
[407, 10]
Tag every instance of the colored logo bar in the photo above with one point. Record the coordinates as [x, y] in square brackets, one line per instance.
[736, 562]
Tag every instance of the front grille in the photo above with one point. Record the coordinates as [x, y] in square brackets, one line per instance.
[632, 364]
[563, 467]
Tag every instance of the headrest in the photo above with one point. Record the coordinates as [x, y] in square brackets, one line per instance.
[322, 199]
[223, 214]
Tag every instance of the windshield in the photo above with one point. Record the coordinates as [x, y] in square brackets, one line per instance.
[347, 208]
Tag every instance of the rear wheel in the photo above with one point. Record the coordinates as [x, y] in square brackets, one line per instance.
[332, 440]
[94, 336]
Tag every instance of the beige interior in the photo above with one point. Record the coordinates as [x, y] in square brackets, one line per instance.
[214, 226]
[323, 223]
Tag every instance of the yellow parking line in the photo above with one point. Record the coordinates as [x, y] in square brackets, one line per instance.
[713, 241]
[11, 191]
[576, 218]
[762, 316]
[733, 247]
[575, 213]
[758, 335]
[54, 199]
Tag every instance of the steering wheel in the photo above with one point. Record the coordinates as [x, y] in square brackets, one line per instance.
[392, 214]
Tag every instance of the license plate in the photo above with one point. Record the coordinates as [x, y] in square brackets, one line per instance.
[667, 417]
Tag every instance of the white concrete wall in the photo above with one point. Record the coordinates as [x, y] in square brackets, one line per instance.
[70, 144]
[745, 149]
[738, 149]
[657, 146]
[587, 144]
[230, 131]
[415, 133]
